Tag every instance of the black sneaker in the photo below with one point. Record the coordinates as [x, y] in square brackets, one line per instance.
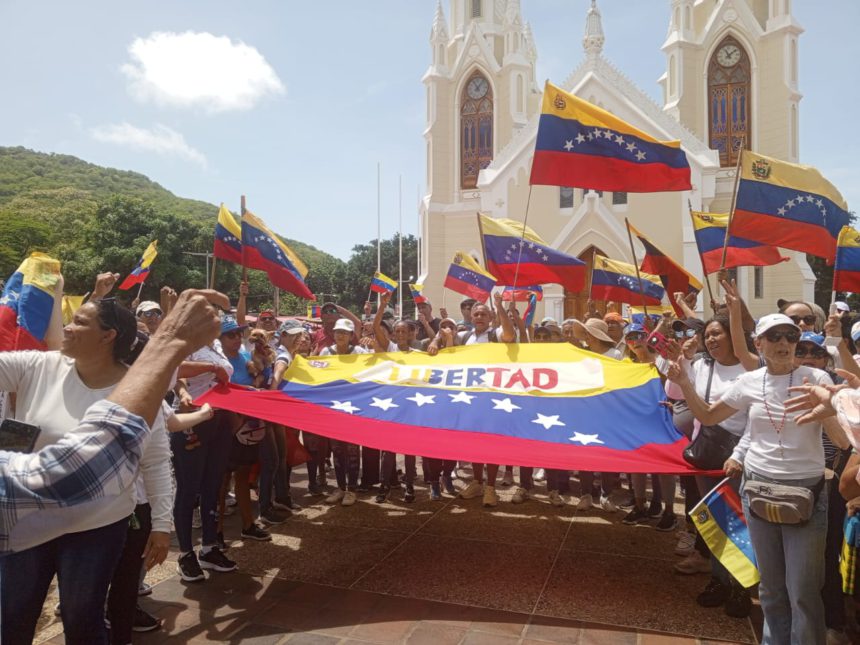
[410, 494]
[189, 568]
[254, 532]
[636, 516]
[144, 622]
[219, 541]
[738, 604]
[383, 494]
[714, 595]
[286, 504]
[655, 509]
[667, 522]
[314, 489]
[216, 560]
[270, 516]
[435, 492]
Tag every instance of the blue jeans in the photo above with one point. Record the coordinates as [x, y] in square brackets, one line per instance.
[83, 562]
[347, 463]
[274, 470]
[199, 470]
[791, 563]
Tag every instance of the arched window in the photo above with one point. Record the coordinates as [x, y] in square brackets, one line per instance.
[476, 8]
[729, 100]
[476, 129]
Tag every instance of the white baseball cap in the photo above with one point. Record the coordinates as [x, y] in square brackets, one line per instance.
[773, 320]
[842, 306]
[345, 324]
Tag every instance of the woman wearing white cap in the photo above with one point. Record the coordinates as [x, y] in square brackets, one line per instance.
[789, 547]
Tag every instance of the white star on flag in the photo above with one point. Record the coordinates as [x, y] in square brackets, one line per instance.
[421, 399]
[344, 406]
[547, 421]
[462, 397]
[580, 138]
[585, 439]
[505, 404]
[383, 404]
[631, 147]
[640, 156]
[619, 139]
[780, 211]
[568, 145]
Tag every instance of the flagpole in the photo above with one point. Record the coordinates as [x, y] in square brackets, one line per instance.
[242, 214]
[734, 203]
[699, 251]
[378, 228]
[418, 243]
[140, 288]
[638, 276]
[400, 245]
[591, 275]
[522, 237]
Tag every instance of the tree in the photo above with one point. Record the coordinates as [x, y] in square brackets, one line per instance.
[362, 264]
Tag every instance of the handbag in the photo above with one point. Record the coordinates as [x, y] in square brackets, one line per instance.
[713, 445]
[779, 503]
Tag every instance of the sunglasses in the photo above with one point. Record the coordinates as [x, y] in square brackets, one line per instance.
[814, 352]
[634, 335]
[107, 307]
[685, 333]
[330, 310]
[152, 313]
[774, 336]
[806, 320]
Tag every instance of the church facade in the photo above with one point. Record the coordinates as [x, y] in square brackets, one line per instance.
[731, 80]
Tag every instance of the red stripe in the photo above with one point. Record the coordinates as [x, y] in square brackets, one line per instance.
[480, 447]
[620, 294]
[131, 279]
[224, 251]
[605, 173]
[846, 281]
[789, 234]
[279, 276]
[570, 277]
[465, 288]
[13, 337]
[730, 497]
[761, 256]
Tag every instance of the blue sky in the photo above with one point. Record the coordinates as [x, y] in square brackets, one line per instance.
[322, 91]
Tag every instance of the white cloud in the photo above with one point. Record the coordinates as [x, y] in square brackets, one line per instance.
[160, 140]
[198, 70]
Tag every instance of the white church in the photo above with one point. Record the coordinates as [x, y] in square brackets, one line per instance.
[731, 76]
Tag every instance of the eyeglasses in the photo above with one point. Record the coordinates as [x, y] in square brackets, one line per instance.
[329, 310]
[107, 310]
[634, 335]
[152, 313]
[806, 320]
[774, 336]
[685, 333]
[814, 352]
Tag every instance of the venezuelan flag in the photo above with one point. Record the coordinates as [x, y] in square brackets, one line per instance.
[522, 294]
[228, 237]
[515, 253]
[467, 277]
[788, 205]
[617, 281]
[846, 272]
[710, 231]
[580, 144]
[263, 249]
[720, 520]
[27, 303]
[140, 273]
[381, 283]
[417, 291]
[531, 309]
[314, 311]
[674, 277]
[550, 405]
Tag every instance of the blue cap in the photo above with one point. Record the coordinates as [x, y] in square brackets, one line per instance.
[229, 323]
[812, 337]
[633, 327]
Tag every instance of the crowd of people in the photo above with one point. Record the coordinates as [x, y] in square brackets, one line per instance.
[764, 398]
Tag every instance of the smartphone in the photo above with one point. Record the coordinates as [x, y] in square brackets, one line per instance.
[657, 342]
[17, 436]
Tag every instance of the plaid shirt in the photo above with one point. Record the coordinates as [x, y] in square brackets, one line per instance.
[97, 459]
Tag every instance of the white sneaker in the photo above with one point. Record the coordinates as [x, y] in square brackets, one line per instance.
[585, 503]
[349, 498]
[336, 497]
[686, 543]
[473, 490]
[508, 478]
[607, 505]
[490, 497]
[555, 499]
[520, 495]
[196, 520]
[539, 475]
[692, 564]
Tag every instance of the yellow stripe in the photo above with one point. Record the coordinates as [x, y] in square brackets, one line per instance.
[70, 305]
[40, 271]
[849, 238]
[568, 106]
[801, 178]
[256, 222]
[463, 259]
[726, 551]
[384, 278]
[149, 254]
[605, 264]
[702, 221]
[226, 219]
[509, 228]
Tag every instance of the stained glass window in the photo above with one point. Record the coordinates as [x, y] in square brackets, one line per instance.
[476, 129]
[729, 100]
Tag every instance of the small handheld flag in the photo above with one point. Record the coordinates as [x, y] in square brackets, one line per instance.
[579, 144]
[531, 308]
[522, 294]
[467, 277]
[228, 237]
[263, 249]
[617, 281]
[846, 273]
[314, 311]
[710, 231]
[141, 272]
[381, 283]
[417, 291]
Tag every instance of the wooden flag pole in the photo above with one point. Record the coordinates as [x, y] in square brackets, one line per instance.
[638, 275]
[699, 251]
[522, 238]
[212, 275]
[242, 214]
[734, 203]
[139, 289]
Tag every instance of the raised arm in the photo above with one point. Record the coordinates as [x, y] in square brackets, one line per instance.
[54, 333]
[508, 334]
[734, 302]
[378, 332]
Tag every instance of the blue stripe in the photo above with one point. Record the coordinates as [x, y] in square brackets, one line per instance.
[32, 305]
[761, 197]
[631, 283]
[556, 134]
[470, 277]
[847, 258]
[268, 248]
[506, 250]
[624, 419]
[731, 524]
[713, 237]
[227, 238]
[382, 284]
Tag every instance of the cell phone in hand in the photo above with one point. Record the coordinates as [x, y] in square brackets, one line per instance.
[17, 436]
[658, 343]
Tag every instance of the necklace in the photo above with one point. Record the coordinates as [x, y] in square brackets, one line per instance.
[778, 428]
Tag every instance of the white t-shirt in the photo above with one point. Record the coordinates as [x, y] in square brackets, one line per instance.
[51, 395]
[357, 349]
[613, 352]
[801, 455]
[470, 337]
[724, 377]
[202, 383]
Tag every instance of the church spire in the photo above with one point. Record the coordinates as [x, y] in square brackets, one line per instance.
[593, 39]
[439, 32]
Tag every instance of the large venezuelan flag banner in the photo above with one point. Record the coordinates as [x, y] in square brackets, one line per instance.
[550, 405]
[27, 303]
[710, 231]
[579, 144]
[788, 205]
[846, 272]
[262, 249]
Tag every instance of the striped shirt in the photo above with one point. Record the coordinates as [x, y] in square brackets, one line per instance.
[98, 459]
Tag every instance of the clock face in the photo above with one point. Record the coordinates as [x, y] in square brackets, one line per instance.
[729, 55]
[478, 88]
